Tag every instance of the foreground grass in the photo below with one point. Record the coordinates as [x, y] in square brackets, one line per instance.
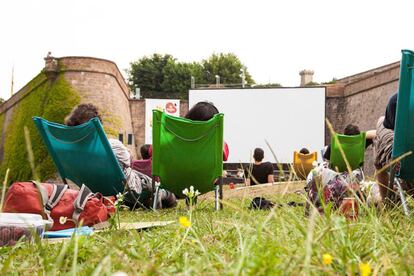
[233, 241]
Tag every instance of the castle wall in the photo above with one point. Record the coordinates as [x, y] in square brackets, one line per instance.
[99, 82]
[361, 100]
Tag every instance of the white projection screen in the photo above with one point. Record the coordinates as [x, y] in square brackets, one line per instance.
[288, 118]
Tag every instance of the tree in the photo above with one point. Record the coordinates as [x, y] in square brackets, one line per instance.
[228, 67]
[1, 100]
[177, 76]
[162, 76]
[268, 85]
[148, 72]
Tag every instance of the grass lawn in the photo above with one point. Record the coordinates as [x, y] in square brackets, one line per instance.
[233, 241]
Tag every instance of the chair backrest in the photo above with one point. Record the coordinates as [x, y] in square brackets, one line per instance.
[302, 163]
[353, 147]
[83, 155]
[187, 153]
[143, 166]
[404, 121]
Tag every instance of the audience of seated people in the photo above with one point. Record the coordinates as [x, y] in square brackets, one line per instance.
[139, 185]
[260, 172]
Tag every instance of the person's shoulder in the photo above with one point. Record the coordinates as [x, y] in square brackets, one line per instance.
[268, 164]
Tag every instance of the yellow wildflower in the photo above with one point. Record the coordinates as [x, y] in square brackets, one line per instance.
[327, 259]
[184, 222]
[365, 269]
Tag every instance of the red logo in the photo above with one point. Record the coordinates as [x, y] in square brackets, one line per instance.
[170, 108]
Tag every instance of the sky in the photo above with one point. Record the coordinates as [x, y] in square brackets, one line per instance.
[275, 39]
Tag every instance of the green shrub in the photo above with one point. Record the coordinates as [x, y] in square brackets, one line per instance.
[52, 100]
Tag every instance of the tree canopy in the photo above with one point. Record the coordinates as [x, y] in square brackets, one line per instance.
[163, 75]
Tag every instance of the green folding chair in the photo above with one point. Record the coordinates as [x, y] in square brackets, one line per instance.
[83, 155]
[354, 149]
[187, 153]
[403, 131]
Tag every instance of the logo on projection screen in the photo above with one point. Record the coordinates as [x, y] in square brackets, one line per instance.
[170, 108]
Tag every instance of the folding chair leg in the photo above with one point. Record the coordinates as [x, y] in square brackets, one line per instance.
[402, 196]
[155, 199]
[219, 195]
[391, 183]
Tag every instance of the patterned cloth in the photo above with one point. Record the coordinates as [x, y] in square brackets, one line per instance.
[328, 186]
[383, 142]
[139, 184]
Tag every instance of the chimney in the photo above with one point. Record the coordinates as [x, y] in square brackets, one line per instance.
[306, 76]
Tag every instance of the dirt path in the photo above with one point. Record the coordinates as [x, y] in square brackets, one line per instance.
[259, 190]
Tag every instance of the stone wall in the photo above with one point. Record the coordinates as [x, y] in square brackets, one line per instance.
[100, 82]
[360, 100]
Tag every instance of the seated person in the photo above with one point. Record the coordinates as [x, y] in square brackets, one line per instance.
[352, 130]
[204, 111]
[333, 186]
[303, 163]
[145, 164]
[383, 144]
[260, 172]
[139, 189]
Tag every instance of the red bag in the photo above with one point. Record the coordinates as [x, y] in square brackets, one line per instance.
[54, 201]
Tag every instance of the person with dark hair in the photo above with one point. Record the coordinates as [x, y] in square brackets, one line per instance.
[81, 114]
[145, 164]
[383, 145]
[351, 129]
[337, 185]
[304, 151]
[204, 111]
[260, 172]
[145, 151]
[139, 185]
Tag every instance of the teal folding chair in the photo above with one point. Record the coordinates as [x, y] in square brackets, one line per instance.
[403, 131]
[83, 155]
[354, 150]
[187, 153]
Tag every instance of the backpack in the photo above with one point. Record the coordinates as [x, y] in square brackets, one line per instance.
[261, 203]
[54, 201]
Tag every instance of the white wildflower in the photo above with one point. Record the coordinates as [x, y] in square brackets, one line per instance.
[185, 192]
[191, 191]
[197, 193]
[119, 199]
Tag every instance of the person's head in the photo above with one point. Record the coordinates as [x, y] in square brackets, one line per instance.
[145, 151]
[81, 114]
[389, 120]
[351, 130]
[258, 154]
[202, 111]
[304, 151]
